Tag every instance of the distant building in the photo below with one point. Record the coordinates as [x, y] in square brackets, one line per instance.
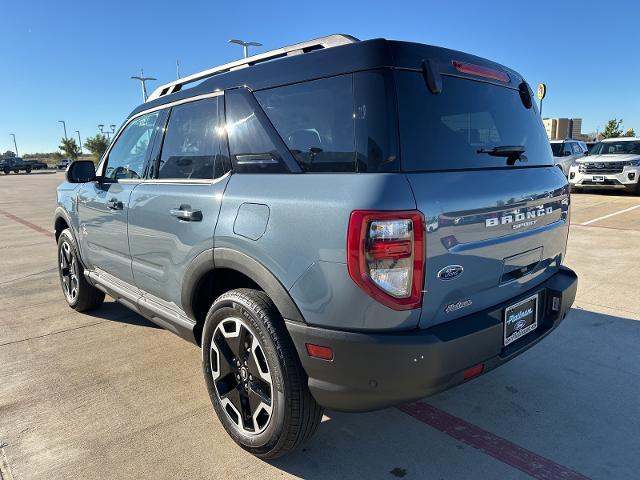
[561, 128]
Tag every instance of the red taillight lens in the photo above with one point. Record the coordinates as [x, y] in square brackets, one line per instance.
[385, 256]
[473, 372]
[480, 71]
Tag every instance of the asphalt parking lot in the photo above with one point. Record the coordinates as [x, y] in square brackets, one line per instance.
[108, 395]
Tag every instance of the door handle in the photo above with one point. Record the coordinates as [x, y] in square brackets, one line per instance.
[185, 213]
[114, 204]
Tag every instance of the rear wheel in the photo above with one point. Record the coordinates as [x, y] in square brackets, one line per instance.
[17, 170]
[79, 294]
[28, 170]
[256, 383]
[6, 170]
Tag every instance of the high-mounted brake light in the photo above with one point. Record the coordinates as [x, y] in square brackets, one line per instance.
[480, 71]
[385, 256]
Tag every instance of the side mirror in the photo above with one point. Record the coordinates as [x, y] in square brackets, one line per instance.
[81, 171]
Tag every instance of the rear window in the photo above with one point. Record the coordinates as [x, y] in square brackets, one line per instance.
[445, 131]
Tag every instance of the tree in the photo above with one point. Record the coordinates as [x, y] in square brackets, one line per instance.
[630, 133]
[70, 148]
[612, 129]
[8, 154]
[97, 145]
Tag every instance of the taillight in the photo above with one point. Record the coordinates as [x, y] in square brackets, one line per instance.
[385, 256]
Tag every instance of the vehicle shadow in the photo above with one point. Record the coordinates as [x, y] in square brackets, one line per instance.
[116, 312]
[539, 400]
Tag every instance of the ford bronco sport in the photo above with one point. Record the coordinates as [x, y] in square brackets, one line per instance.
[337, 224]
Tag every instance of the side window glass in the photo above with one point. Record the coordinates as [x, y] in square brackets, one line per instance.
[252, 150]
[191, 146]
[567, 148]
[576, 149]
[315, 120]
[127, 156]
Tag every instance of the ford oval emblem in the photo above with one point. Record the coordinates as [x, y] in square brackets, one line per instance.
[520, 325]
[450, 272]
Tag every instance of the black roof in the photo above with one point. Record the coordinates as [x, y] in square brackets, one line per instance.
[353, 57]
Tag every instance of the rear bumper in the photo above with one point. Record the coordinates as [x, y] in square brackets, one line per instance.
[372, 371]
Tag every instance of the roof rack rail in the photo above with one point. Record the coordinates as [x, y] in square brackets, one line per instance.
[296, 49]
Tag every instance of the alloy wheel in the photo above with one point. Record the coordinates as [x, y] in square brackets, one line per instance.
[69, 272]
[241, 376]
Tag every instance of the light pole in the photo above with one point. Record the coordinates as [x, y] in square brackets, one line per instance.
[107, 132]
[79, 141]
[143, 81]
[64, 125]
[245, 45]
[15, 145]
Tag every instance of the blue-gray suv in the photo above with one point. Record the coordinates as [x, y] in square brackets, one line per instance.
[336, 223]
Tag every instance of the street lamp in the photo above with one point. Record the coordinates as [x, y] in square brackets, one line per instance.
[107, 132]
[79, 141]
[15, 145]
[245, 45]
[143, 79]
[64, 125]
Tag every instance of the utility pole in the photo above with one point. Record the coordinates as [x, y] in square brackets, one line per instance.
[245, 45]
[64, 125]
[79, 141]
[15, 145]
[177, 70]
[143, 81]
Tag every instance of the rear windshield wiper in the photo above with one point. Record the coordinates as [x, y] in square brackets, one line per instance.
[512, 152]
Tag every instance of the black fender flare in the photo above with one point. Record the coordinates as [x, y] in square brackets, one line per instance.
[62, 213]
[222, 257]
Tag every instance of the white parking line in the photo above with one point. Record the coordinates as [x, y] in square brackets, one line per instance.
[610, 215]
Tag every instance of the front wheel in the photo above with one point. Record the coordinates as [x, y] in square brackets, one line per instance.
[6, 170]
[28, 169]
[16, 171]
[254, 377]
[79, 294]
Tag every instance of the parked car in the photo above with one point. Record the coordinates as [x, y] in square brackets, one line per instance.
[15, 165]
[36, 164]
[62, 164]
[613, 163]
[274, 211]
[566, 152]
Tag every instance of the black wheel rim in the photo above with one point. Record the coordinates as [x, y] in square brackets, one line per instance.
[69, 272]
[241, 376]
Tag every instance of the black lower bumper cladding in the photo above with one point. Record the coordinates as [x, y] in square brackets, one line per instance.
[378, 370]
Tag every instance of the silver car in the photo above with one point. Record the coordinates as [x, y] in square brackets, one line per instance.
[566, 152]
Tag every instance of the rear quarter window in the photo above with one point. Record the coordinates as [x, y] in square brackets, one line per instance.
[445, 131]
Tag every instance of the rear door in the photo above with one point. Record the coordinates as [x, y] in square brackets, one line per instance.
[103, 205]
[173, 214]
[494, 230]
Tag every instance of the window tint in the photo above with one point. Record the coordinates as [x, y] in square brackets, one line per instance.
[127, 156]
[576, 148]
[556, 148]
[445, 131]
[316, 121]
[252, 150]
[376, 121]
[191, 147]
[620, 147]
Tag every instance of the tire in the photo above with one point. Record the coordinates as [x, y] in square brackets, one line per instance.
[79, 294]
[28, 170]
[6, 170]
[286, 414]
[16, 171]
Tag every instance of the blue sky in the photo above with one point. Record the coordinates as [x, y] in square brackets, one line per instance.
[71, 60]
